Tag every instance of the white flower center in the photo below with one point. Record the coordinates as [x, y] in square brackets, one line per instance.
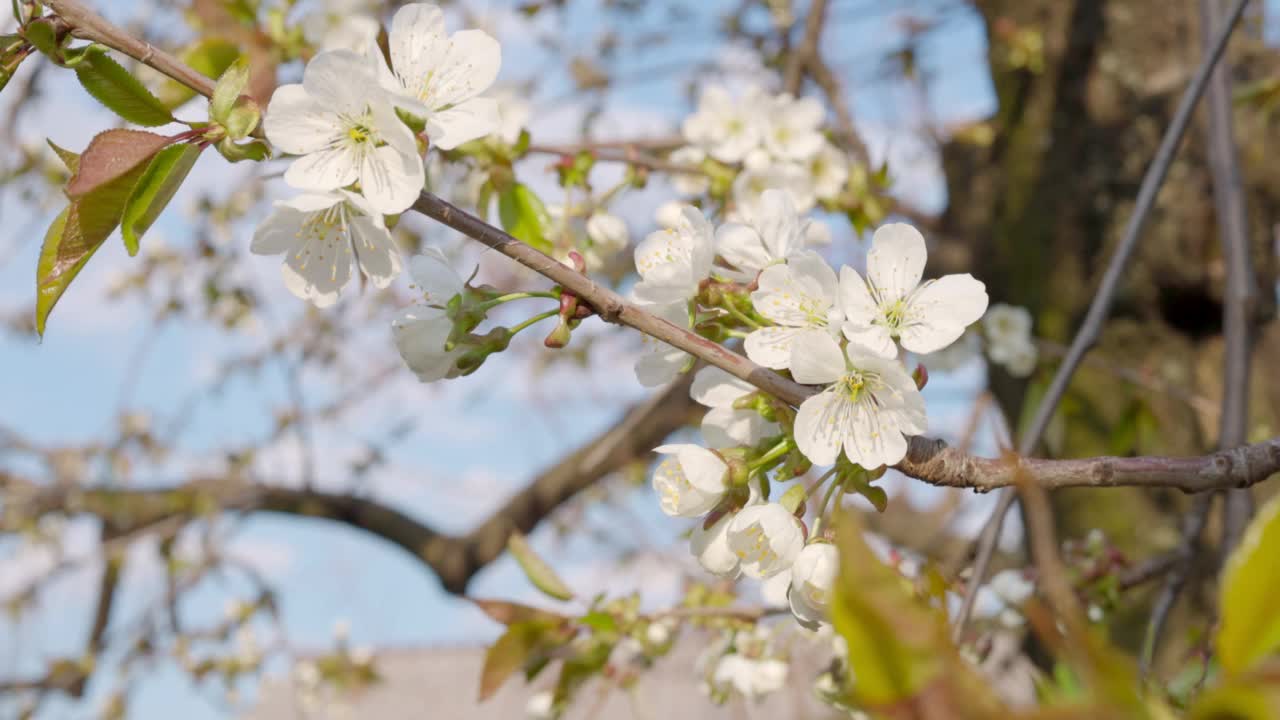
[316, 230]
[673, 482]
[757, 549]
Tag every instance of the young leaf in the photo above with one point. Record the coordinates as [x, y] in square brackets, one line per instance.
[522, 645]
[1250, 627]
[524, 216]
[897, 645]
[230, 87]
[536, 569]
[110, 84]
[75, 236]
[68, 158]
[509, 613]
[111, 154]
[156, 187]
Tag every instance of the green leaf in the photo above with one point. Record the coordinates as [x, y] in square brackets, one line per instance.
[110, 84]
[897, 644]
[230, 87]
[1250, 627]
[536, 569]
[75, 236]
[42, 34]
[156, 187]
[254, 150]
[524, 216]
[210, 57]
[69, 158]
[110, 155]
[1238, 701]
[524, 644]
[510, 613]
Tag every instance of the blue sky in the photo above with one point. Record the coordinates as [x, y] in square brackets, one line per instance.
[481, 437]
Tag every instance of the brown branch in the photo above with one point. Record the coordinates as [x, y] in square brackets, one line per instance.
[793, 74]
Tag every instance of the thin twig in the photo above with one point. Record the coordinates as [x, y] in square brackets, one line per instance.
[1091, 329]
[793, 74]
[1184, 557]
[1239, 293]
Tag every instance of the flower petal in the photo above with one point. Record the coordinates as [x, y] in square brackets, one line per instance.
[298, 125]
[872, 338]
[390, 180]
[938, 313]
[716, 388]
[278, 233]
[466, 68]
[729, 427]
[376, 252]
[416, 41]
[896, 260]
[324, 170]
[742, 247]
[463, 122]
[818, 427]
[771, 346]
[816, 358]
[341, 82]
[435, 277]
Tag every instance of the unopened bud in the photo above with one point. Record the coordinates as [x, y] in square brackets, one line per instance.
[921, 376]
[559, 337]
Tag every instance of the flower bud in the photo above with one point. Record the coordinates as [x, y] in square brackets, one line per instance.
[921, 376]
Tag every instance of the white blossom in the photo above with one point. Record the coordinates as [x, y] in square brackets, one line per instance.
[829, 171]
[513, 115]
[750, 184]
[422, 330]
[690, 481]
[1012, 587]
[695, 183]
[669, 215]
[321, 235]
[868, 409]
[711, 547]
[439, 77]
[724, 425]
[766, 538]
[345, 130]
[792, 127]
[1006, 323]
[1009, 341]
[540, 706]
[341, 25]
[608, 233]
[726, 127]
[752, 677]
[801, 295]
[1018, 357]
[812, 576]
[771, 233]
[660, 363]
[893, 303]
[773, 590]
[673, 262]
[658, 633]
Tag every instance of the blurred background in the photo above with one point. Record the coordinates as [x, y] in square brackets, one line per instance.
[1014, 133]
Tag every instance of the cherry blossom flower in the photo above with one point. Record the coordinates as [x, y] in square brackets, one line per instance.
[828, 172]
[750, 185]
[345, 131]
[690, 480]
[1009, 342]
[792, 127]
[672, 262]
[659, 362]
[769, 233]
[608, 234]
[893, 303]
[422, 330]
[341, 25]
[540, 706]
[711, 547]
[439, 77]
[868, 409]
[766, 538]
[752, 677]
[724, 425]
[812, 576]
[801, 295]
[726, 127]
[321, 235]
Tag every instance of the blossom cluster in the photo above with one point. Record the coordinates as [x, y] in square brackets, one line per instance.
[775, 141]
[358, 128]
[840, 332]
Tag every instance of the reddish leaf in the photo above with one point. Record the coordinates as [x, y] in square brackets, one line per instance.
[110, 155]
[509, 613]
